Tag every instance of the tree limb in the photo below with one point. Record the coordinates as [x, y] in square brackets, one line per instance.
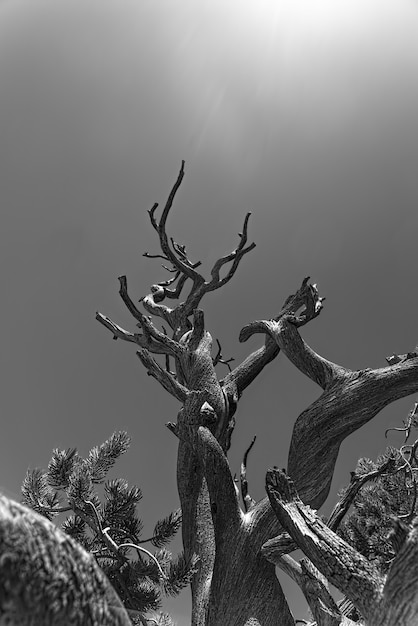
[350, 398]
[118, 331]
[171, 347]
[235, 256]
[346, 404]
[164, 377]
[283, 330]
[243, 374]
[179, 261]
[343, 566]
[184, 268]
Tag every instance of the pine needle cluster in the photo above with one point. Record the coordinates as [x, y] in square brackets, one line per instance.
[110, 528]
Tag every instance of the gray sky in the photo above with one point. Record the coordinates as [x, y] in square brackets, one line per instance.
[301, 111]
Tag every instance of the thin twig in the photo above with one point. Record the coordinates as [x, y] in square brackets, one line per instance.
[248, 501]
[409, 423]
[235, 256]
[219, 358]
[182, 264]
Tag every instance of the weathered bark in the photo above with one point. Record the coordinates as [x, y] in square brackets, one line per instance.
[47, 578]
[382, 600]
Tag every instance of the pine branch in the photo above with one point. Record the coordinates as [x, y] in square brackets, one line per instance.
[180, 574]
[165, 529]
[38, 495]
[120, 501]
[60, 467]
[102, 458]
[80, 484]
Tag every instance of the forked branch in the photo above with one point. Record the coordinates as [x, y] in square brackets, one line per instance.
[341, 565]
[165, 378]
[235, 256]
[182, 269]
[174, 254]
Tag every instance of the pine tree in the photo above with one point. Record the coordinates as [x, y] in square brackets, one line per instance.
[111, 529]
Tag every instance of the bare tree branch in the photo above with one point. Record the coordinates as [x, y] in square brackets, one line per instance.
[247, 499]
[235, 256]
[283, 330]
[118, 331]
[218, 358]
[343, 566]
[145, 341]
[409, 423]
[171, 347]
[350, 398]
[179, 261]
[242, 376]
[165, 379]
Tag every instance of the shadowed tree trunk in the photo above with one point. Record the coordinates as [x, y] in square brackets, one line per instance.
[238, 541]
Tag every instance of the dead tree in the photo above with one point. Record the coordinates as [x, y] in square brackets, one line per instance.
[236, 582]
[47, 578]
